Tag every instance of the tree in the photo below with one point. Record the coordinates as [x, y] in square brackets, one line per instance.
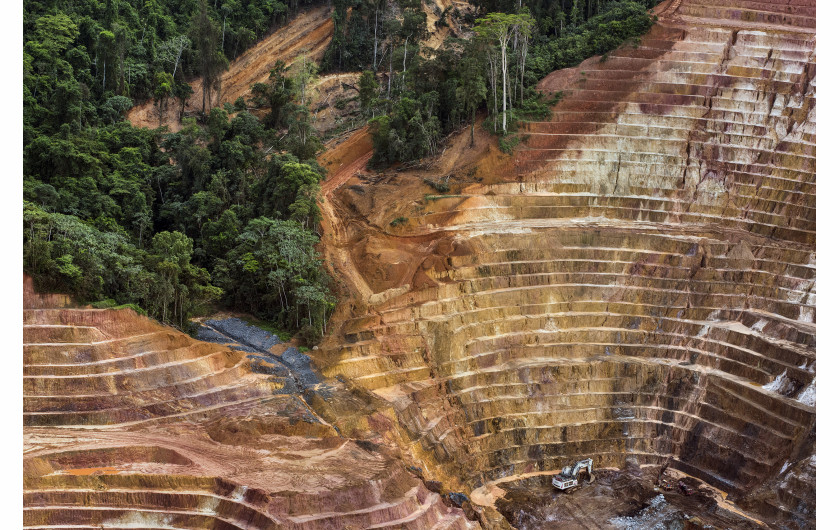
[413, 29]
[182, 91]
[170, 51]
[472, 89]
[281, 187]
[368, 88]
[114, 108]
[227, 7]
[163, 89]
[501, 28]
[211, 61]
[105, 49]
[55, 33]
[305, 71]
[410, 131]
[277, 94]
[301, 139]
[184, 287]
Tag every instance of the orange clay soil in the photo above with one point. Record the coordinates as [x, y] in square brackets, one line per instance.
[308, 34]
[130, 423]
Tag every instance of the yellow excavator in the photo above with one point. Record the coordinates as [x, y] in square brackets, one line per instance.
[570, 479]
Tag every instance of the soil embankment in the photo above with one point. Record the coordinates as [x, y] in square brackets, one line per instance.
[307, 35]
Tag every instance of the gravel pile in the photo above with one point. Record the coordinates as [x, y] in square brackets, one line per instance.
[658, 515]
[301, 365]
[208, 334]
[241, 331]
[293, 368]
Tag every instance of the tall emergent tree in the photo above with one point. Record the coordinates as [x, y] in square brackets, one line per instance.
[472, 89]
[210, 60]
[501, 28]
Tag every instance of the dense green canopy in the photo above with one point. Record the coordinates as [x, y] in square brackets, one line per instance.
[122, 215]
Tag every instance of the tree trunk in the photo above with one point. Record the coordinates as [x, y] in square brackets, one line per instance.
[493, 80]
[504, 89]
[523, 54]
[375, 23]
[121, 87]
[177, 60]
[512, 83]
[472, 129]
[390, 70]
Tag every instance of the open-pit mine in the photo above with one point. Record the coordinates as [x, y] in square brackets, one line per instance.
[635, 284]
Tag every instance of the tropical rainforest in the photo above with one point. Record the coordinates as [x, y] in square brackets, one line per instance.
[224, 212]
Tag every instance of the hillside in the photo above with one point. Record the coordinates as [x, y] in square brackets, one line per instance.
[306, 35]
[627, 274]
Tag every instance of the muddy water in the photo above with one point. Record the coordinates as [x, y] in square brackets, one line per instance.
[623, 500]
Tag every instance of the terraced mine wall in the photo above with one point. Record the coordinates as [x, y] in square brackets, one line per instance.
[130, 424]
[637, 284]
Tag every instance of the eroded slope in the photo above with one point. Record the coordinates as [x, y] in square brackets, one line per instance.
[308, 34]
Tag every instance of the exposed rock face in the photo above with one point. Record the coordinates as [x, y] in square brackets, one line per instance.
[636, 285]
[131, 424]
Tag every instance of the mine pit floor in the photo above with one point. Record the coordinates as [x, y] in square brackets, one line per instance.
[623, 500]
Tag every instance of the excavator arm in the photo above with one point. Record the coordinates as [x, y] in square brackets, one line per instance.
[583, 464]
[568, 479]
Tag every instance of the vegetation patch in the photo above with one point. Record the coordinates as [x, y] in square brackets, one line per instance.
[508, 143]
[414, 101]
[222, 212]
[440, 185]
[111, 304]
[428, 197]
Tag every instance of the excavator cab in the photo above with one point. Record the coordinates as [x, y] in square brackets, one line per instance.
[571, 478]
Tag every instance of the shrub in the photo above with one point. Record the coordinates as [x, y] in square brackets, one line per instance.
[441, 186]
